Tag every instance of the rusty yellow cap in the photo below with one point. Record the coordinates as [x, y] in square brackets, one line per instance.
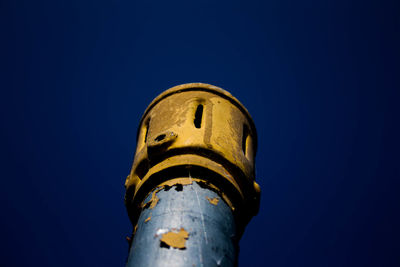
[201, 128]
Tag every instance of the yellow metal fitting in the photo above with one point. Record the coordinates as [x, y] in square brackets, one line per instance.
[202, 129]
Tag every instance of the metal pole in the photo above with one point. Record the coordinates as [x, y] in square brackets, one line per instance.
[189, 227]
[192, 190]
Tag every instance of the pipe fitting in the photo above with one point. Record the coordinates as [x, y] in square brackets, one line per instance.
[202, 130]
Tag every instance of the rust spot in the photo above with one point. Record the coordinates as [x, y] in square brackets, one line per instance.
[213, 201]
[148, 219]
[174, 239]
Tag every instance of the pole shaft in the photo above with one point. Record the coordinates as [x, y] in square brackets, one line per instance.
[193, 209]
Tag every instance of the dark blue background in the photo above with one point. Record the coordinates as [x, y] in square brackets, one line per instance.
[320, 79]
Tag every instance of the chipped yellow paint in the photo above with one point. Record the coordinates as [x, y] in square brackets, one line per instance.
[218, 191]
[175, 239]
[153, 201]
[213, 201]
[200, 126]
[181, 181]
[148, 219]
[188, 181]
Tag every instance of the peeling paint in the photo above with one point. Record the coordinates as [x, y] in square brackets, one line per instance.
[181, 181]
[221, 139]
[175, 239]
[207, 184]
[152, 202]
[214, 144]
[174, 182]
[213, 201]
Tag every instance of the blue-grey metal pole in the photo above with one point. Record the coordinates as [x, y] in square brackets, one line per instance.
[195, 215]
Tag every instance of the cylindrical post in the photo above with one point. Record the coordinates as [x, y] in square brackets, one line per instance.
[192, 190]
[189, 226]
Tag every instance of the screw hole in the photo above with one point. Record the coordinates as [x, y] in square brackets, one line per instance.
[160, 138]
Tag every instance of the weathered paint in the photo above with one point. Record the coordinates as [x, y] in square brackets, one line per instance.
[213, 201]
[174, 239]
[185, 230]
[192, 190]
[197, 125]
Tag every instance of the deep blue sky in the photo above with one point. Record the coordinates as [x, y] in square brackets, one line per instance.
[320, 78]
